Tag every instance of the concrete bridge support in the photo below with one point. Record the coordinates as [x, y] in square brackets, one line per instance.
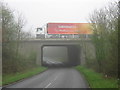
[74, 55]
[39, 55]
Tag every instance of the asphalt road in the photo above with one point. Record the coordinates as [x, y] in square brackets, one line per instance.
[54, 78]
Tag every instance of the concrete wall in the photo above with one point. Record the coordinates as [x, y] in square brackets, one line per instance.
[87, 52]
[27, 47]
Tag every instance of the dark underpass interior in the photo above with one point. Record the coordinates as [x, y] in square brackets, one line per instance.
[60, 55]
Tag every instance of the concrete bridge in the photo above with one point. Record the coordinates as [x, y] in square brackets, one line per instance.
[77, 49]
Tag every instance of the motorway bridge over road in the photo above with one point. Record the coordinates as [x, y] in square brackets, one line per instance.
[76, 49]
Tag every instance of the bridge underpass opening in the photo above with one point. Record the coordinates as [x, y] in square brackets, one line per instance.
[60, 55]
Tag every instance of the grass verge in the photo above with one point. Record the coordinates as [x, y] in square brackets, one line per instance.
[0, 80]
[97, 80]
[8, 79]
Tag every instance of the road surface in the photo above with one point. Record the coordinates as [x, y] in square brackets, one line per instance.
[54, 78]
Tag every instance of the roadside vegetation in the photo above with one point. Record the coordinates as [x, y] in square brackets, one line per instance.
[105, 38]
[97, 80]
[15, 65]
[11, 78]
[104, 23]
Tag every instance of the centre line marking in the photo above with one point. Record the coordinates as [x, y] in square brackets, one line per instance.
[51, 82]
[48, 85]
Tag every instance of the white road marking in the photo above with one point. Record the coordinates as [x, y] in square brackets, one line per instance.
[55, 78]
[51, 82]
[48, 85]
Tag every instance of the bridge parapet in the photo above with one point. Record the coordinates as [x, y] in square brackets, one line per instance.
[57, 40]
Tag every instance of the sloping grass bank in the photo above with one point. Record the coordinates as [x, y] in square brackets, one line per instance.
[8, 79]
[97, 80]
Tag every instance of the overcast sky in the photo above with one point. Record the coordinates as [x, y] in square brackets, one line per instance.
[39, 12]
